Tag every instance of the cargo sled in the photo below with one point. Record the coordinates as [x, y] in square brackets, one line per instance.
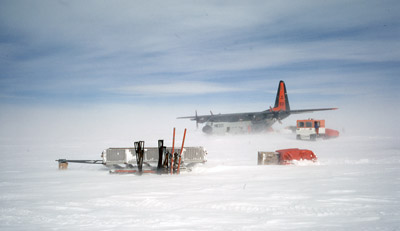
[285, 156]
[139, 159]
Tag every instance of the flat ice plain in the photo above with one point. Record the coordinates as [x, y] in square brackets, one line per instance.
[354, 186]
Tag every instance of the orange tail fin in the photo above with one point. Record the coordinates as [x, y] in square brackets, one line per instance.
[281, 101]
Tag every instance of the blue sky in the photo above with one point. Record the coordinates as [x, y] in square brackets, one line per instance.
[198, 52]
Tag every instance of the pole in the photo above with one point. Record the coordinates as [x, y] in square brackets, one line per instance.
[172, 157]
[160, 154]
[180, 155]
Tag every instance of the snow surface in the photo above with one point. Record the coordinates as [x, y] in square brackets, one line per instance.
[354, 186]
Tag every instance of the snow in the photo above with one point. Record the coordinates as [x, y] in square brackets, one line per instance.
[353, 186]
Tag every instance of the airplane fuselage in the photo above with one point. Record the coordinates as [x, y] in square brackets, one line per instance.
[238, 126]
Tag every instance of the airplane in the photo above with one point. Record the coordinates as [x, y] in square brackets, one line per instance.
[249, 122]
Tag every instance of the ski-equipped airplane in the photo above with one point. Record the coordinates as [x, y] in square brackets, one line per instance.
[247, 122]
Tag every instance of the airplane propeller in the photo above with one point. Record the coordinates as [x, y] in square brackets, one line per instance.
[197, 119]
[200, 119]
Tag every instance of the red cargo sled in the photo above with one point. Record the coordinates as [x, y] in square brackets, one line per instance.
[288, 155]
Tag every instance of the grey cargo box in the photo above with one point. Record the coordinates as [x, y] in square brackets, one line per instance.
[268, 158]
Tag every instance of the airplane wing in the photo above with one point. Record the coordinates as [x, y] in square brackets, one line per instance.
[310, 110]
[231, 117]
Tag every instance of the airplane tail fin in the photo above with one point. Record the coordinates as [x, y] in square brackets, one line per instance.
[281, 101]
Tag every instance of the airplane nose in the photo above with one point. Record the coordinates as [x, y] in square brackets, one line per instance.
[207, 129]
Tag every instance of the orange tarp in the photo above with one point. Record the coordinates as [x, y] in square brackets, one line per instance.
[287, 155]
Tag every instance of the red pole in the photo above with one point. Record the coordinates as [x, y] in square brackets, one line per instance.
[172, 153]
[180, 155]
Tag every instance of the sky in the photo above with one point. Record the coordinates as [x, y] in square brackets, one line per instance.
[204, 55]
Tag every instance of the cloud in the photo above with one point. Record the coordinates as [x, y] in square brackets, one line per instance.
[174, 89]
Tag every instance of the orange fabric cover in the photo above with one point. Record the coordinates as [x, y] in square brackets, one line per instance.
[287, 155]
